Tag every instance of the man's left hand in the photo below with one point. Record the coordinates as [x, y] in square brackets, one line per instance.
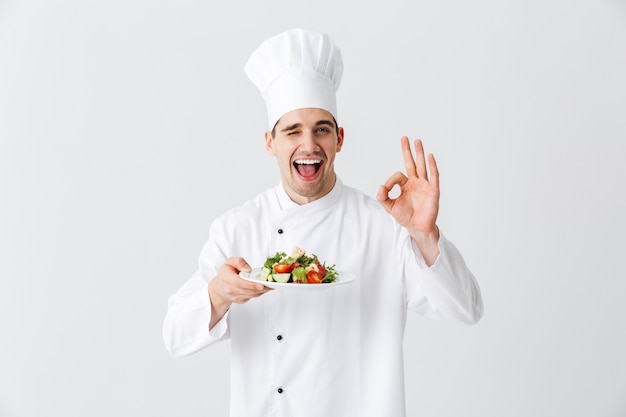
[417, 206]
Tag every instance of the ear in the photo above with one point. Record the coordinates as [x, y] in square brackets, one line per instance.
[339, 139]
[269, 143]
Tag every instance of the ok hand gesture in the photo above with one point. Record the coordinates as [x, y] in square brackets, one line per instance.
[417, 206]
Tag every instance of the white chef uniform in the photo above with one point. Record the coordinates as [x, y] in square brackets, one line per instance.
[333, 351]
[328, 352]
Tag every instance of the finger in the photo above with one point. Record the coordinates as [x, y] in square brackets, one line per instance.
[407, 155]
[244, 287]
[250, 289]
[420, 161]
[383, 198]
[398, 178]
[434, 170]
[239, 264]
[239, 294]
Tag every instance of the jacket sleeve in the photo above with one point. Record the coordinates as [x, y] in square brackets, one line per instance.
[447, 290]
[186, 324]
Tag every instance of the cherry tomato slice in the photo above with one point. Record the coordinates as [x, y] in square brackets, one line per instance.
[314, 277]
[282, 268]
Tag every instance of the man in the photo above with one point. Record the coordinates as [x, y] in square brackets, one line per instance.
[336, 351]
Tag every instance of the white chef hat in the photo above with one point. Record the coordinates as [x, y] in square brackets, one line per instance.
[296, 69]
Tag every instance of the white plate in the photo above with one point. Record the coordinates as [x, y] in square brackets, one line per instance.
[254, 275]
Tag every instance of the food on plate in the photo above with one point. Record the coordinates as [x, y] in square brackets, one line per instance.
[297, 268]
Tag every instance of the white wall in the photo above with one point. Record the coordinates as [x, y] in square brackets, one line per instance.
[126, 126]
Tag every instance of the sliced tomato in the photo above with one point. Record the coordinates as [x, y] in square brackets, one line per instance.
[283, 268]
[322, 270]
[314, 277]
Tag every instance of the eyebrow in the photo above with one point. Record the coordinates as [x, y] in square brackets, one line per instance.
[298, 125]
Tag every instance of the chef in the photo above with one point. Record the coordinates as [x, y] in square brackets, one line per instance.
[320, 349]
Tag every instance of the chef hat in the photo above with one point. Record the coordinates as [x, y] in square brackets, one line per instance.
[296, 69]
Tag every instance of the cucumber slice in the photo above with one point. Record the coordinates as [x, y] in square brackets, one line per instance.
[281, 277]
[265, 273]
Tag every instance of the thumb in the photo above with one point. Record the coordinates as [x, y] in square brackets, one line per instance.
[238, 264]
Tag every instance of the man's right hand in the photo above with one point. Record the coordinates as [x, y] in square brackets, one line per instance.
[228, 287]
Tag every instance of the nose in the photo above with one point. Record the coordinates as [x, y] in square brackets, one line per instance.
[309, 142]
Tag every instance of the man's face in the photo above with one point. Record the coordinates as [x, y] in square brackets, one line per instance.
[305, 144]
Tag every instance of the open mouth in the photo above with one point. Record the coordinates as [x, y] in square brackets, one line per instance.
[307, 168]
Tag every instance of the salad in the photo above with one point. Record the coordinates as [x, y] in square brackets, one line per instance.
[297, 268]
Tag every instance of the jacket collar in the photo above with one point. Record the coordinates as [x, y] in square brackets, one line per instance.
[286, 202]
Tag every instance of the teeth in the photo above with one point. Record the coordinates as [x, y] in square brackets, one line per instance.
[308, 161]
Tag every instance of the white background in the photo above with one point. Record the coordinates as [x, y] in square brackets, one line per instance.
[127, 126]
